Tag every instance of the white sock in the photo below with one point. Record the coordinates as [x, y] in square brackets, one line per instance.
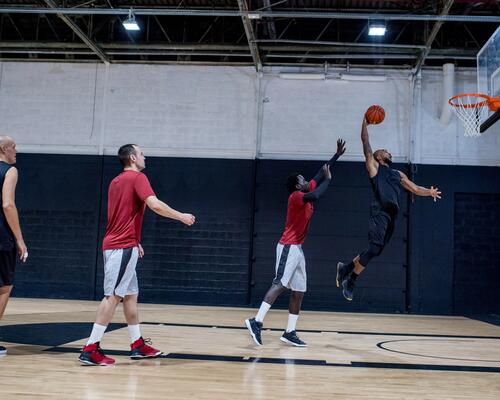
[135, 332]
[292, 322]
[96, 334]
[261, 314]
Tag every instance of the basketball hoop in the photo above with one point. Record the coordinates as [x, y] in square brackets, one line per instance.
[472, 108]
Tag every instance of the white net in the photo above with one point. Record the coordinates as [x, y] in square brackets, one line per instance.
[471, 109]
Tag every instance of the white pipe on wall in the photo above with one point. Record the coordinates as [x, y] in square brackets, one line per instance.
[448, 91]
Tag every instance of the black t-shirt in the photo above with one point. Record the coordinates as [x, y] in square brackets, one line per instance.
[386, 186]
[7, 240]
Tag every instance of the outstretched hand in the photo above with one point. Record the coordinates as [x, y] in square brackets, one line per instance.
[435, 193]
[188, 219]
[340, 147]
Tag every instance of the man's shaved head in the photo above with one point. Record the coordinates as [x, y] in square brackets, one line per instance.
[6, 140]
[7, 149]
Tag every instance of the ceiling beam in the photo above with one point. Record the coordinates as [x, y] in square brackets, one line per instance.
[263, 14]
[227, 51]
[432, 36]
[247, 24]
[205, 47]
[75, 28]
[353, 44]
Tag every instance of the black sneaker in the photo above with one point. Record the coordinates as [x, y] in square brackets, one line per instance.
[292, 338]
[342, 273]
[254, 327]
[3, 351]
[348, 288]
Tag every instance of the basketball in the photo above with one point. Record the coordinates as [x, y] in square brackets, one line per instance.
[375, 115]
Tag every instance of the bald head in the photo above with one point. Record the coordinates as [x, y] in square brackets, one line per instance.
[7, 149]
[6, 141]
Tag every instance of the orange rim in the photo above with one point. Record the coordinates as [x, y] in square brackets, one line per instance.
[494, 104]
[485, 100]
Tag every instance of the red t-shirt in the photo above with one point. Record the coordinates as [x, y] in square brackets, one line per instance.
[126, 203]
[297, 217]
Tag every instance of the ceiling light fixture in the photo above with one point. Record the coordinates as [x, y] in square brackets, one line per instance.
[130, 24]
[254, 15]
[300, 76]
[377, 28]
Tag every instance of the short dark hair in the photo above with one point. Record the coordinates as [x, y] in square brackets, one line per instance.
[125, 152]
[291, 182]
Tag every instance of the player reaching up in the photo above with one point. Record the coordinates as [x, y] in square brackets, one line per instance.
[386, 185]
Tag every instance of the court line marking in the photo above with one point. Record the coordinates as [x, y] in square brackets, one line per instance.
[301, 362]
[381, 346]
[211, 326]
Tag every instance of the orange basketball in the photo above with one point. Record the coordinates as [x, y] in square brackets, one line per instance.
[375, 115]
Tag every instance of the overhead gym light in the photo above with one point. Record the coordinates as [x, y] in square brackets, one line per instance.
[130, 24]
[376, 28]
[300, 76]
[254, 15]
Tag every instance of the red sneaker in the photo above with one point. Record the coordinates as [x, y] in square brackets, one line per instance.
[92, 354]
[141, 349]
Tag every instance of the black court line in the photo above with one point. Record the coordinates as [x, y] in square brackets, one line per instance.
[328, 331]
[294, 361]
[381, 346]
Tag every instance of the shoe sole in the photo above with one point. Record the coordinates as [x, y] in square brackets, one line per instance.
[94, 364]
[283, 339]
[337, 277]
[142, 357]
[247, 323]
[345, 297]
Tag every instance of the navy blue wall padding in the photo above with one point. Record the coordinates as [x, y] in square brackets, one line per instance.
[338, 232]
[58, 201]
[208, 262]
[442, 259]
[433, 252]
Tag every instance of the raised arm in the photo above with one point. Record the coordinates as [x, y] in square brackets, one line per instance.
[321, 189]
[340, 150]
[160, 208]
[371, 164]
[419, 190]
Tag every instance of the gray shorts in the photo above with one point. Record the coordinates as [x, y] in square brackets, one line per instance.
[291, 267]
[120, 278]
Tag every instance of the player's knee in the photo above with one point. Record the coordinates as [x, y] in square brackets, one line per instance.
[113, 298]
[297, 295]
[278, 287]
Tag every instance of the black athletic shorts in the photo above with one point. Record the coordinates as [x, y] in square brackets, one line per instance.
[7, 267]
[381, 226]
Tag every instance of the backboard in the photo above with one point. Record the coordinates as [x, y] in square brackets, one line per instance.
[488, 74]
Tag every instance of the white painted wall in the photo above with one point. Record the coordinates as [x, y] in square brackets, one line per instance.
[90, 109]
[304, 118]
[229, 112]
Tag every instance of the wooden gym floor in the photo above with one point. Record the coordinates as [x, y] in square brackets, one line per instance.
[209, 355]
